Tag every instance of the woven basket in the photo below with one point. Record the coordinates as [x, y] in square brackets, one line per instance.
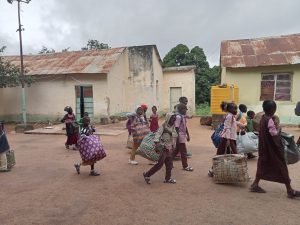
[230, 168]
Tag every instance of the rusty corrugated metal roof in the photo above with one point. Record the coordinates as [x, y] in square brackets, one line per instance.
[281, 50]
[75, 62]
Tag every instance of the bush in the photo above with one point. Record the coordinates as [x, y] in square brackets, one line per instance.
[203, 109]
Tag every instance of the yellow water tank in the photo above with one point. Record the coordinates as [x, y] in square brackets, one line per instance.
[220, 93]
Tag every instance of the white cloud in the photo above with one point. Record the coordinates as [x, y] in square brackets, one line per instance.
[70, 23]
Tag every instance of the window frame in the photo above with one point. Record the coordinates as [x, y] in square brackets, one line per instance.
[274, 77]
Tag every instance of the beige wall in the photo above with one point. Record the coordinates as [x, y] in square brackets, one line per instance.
[184, 79]
[46, 98]
[248, 81]
[116, 85]
[142, 71]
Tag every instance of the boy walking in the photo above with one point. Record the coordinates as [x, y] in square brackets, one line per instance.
[183, 135]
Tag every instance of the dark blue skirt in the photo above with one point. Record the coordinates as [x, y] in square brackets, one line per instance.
[4, 146]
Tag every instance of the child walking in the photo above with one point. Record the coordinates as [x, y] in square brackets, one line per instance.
[250, 116]
[183, 136]
[271, 165]
[154, 120]
[184, 101]
[166, 137]
[90, 148]
[229, 134]
[242, 118]
[139, 128]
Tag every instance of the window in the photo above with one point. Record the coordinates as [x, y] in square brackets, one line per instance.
[276, 87]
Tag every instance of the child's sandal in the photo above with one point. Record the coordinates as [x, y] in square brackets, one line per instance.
[77, 167]
[190, 169]
[170, 181]
[147, 179]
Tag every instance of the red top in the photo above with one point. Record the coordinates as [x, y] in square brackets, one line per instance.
[154, 123]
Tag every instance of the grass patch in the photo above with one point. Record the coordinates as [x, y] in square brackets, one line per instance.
[203, 109]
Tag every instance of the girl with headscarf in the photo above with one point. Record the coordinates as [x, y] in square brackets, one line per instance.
[140, 129]
[165, 138]
[72, 129]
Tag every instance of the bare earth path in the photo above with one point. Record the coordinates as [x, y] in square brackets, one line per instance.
[43, 188]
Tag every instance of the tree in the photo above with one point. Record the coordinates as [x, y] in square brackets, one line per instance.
[95, 45]
[45, 50]
[205, 76]
[10, 75]
[65, 49]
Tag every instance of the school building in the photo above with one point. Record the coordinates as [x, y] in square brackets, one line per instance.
[265, 69]
[101, 82]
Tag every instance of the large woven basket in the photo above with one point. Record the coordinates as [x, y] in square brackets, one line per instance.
[230, 168]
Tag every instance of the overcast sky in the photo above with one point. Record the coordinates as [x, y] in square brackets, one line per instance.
[59, 24]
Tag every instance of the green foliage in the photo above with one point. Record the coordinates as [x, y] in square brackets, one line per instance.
[45, 50]
[95, 45]
[65, 49]
[10, 74]
[203, 109]
[205, 76]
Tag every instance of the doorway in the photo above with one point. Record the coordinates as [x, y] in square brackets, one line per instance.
[84, 101]
[175, 94]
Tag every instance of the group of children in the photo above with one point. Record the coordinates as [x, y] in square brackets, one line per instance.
[171, 136]
[271, 165]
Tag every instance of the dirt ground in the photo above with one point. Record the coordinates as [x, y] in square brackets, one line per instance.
[43, 188]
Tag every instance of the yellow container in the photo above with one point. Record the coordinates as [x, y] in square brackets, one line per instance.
[220, 93]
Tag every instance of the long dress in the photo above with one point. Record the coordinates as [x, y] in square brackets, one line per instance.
[154, 123]
[271, 165]
[72, 134]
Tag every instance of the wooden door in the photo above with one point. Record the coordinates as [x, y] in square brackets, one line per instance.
[175, 94]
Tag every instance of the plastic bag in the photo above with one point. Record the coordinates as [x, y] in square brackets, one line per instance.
[247, 143]
[291, 150]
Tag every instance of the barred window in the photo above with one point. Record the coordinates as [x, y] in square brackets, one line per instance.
[276, 86]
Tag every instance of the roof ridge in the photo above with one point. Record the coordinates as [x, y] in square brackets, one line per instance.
[261, 38]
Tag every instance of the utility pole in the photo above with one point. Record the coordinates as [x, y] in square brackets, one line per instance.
[20, 29]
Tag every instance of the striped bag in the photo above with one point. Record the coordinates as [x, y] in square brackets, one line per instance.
[140, 131]
[230, 168]
[148, 150]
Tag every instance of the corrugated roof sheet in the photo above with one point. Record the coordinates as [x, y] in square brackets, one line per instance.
[75, 62]
[281, 50]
